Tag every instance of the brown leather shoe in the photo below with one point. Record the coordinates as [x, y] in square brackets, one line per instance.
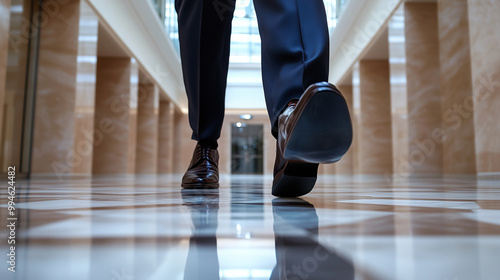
[203, 171]
[315, 129]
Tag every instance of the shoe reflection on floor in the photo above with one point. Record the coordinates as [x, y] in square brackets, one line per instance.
[202, 260]
[302, 256]
[298, 256]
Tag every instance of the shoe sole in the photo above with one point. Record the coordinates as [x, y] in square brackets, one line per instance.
[200, 186]
[326, 123]
[323, 133]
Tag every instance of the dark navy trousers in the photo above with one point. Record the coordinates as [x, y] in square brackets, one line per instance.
[295, 54]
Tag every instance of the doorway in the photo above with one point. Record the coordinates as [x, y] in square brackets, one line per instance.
[247, 146]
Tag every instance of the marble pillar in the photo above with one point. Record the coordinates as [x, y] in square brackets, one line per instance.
[166, 138]
[459, 154]
[146, 161]
[346, 164]
[132, 120]
[63, 127]
[415, 85]
[327, 169]
[225, 141]
[356, 120]
[269, 147]
[375, 138]
[85, 85]
[183, 144]
[399, 100]
[4, 47]
[485, 65]
[423, 88]
[115, 116]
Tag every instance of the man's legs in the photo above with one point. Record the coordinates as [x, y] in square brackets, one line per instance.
[309, 116]
[295, 46]
[295, 50]
[204, 35]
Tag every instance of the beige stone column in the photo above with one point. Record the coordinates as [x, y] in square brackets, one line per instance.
[166, 138]
[327, 169]
[85, 85]
[346, 164]
[115, 116]
[225, 142]
[269, 147]
[146, 161]
[459, 154]
[356, 120]
[485, 63]
[63, 127]
[375, 138]
[132, 120]
[416, 97]
[399, 100]
[4, 47]
[183, 144]
[423, 85]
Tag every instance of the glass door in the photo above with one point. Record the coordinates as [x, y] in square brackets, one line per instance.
[247, 148]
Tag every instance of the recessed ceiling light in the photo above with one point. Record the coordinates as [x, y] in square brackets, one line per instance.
[246, 117]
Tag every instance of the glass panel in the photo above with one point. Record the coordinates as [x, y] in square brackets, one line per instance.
[170, 20]
[159, 7]
[341, 7]
[247, 149]
[245, 39]
[19, 89]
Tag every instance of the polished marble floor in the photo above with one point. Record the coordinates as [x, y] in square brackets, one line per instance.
[124, 228]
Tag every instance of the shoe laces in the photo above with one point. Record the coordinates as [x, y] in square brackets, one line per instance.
[204, 152]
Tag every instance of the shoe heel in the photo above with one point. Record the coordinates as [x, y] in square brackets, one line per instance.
[298, 179]
[323, 134]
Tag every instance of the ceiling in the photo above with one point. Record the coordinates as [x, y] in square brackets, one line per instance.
[107, 45]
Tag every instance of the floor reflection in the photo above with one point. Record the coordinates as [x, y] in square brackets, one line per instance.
[299, 255]
[202, 260]
[147, 228]
[303, 257]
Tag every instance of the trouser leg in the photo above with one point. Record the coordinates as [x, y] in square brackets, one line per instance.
[295, 50]
[204, 35]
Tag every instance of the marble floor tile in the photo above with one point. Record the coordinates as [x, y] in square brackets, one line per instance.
[146, 227]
